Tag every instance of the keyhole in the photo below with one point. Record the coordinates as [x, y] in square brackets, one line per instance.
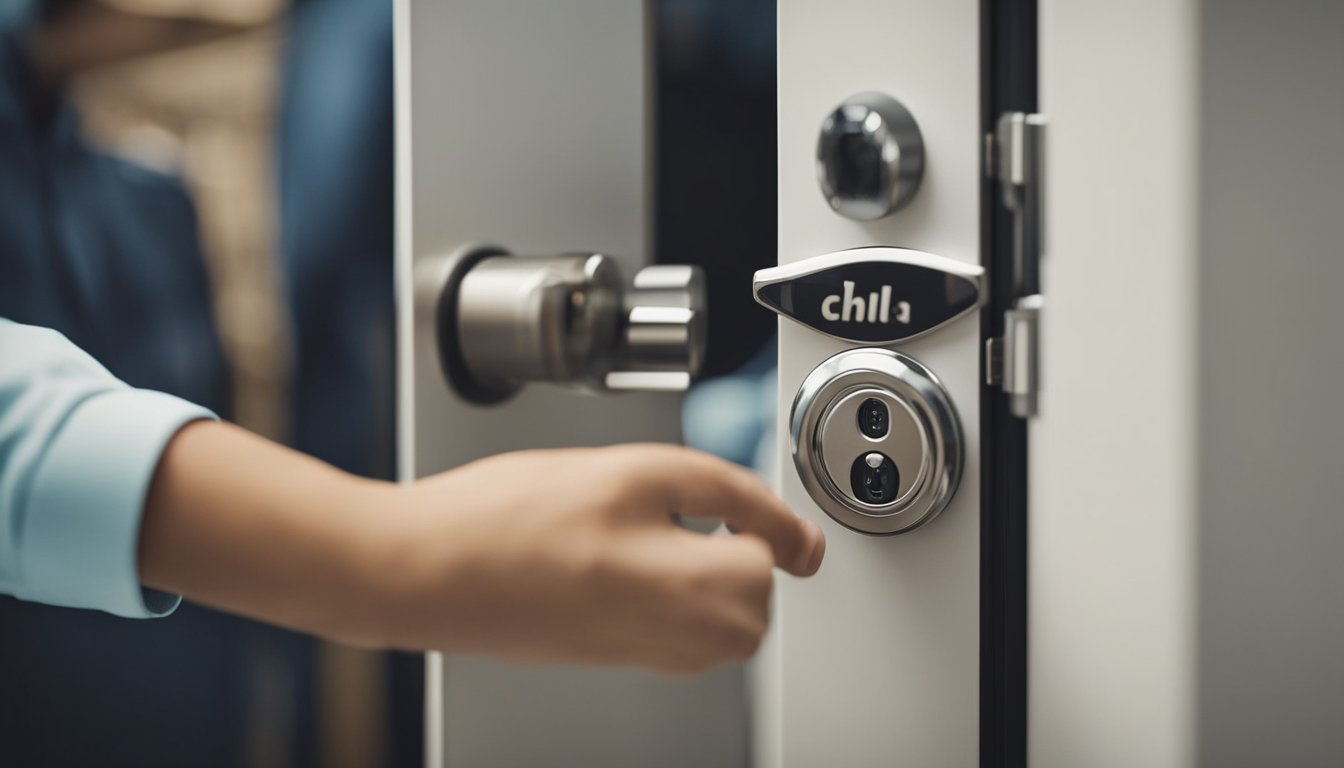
[874, 479]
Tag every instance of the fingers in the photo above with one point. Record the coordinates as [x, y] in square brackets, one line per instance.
[698, 485]
[726, 602]
[737, 569]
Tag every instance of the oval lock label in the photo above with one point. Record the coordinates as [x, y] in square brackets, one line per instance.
[872, 295]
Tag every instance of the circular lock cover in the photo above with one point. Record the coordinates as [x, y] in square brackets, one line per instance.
[876, 441]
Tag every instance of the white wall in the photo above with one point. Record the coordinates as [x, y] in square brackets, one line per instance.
[1270, 403]
[1184, 576]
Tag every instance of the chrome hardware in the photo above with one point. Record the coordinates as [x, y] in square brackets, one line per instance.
[503, 321]
[1017, 159]
[870, 156]
[665, 331]
[1019, 165]
[1021, 355]
[876, 441]
[993, 362]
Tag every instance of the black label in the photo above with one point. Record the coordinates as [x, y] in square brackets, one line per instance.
[873, 301]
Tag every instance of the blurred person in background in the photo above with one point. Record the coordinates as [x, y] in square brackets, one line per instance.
[108, 252]
[103, 249]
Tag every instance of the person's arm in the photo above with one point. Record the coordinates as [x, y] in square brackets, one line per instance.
[569, 555]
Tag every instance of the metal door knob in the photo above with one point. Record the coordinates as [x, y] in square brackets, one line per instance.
[504, 320]
[665, 332]
[870, 156]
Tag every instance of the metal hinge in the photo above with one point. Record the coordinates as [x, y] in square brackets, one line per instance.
[1021, 377]
[993, 361]
[1014, 154]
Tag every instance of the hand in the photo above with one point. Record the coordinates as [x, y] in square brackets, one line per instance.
[575, 556]
[569, 555]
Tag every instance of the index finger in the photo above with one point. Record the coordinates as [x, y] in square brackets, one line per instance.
[696, 484]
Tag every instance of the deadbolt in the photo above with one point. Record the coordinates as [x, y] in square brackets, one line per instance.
[876, 441]
[870, 156]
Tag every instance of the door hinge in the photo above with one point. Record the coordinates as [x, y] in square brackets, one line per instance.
[993, 361]
[1015, 156]
[1021, 370]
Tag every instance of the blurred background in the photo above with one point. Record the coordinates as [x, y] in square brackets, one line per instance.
[200, 194]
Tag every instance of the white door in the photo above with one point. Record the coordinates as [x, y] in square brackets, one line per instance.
[1170, 596]
[1185, 512]
[876, 660]
[523, 125]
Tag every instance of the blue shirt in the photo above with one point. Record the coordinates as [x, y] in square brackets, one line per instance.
[78, 448]
[102, 250]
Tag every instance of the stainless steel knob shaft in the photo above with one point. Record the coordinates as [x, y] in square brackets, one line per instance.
[505, 320]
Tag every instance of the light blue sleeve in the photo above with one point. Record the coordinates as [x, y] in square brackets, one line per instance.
[78, 448]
